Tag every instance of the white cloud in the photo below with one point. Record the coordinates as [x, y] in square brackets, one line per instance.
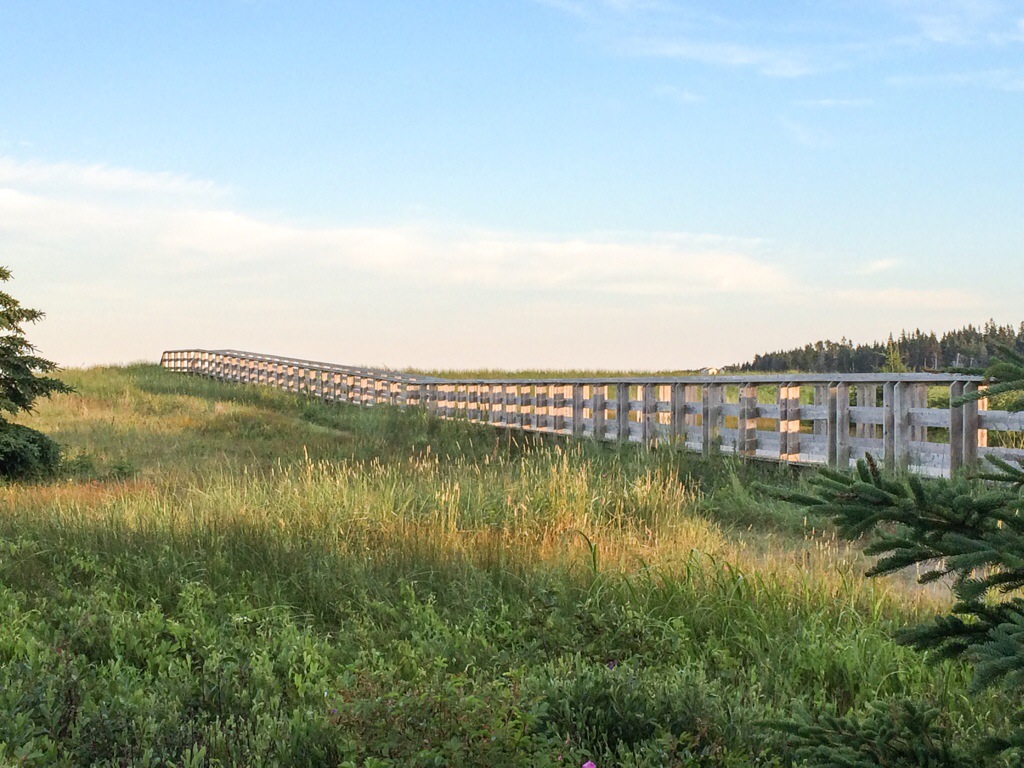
[65, 177]
[569, 6]
[134, 234]
[835, 103]
[1010, 80]
[677, 95]
[194, 240]
[772, 62]
[124, 276]
[962, 22]
[583, 7]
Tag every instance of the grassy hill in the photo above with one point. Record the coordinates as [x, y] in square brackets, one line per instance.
[230, 575]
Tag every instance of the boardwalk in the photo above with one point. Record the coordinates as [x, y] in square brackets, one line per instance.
[800, 419]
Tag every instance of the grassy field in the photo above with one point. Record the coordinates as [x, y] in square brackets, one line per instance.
[229, 575]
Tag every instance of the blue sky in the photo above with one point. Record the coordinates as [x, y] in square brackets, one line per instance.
[551, 183]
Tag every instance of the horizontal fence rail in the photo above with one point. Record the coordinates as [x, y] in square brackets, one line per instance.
[794, 418]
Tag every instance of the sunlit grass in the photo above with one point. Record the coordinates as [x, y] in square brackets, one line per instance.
[366, 564]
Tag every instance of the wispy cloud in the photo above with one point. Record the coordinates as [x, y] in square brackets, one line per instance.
[772, 62]
[1010, 80]
[575, 7]
[585, 7]
[1011, 34]
[677, 95]
[135, 268]
[958, 22]
[205, 236]
[811, 45]
[65, 177]
[835, 103]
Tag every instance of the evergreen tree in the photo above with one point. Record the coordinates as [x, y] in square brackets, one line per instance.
[960, 349]
[971, 530]
[24, 452]
[894, 357]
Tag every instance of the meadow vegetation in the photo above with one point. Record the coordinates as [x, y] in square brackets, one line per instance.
[229, 575]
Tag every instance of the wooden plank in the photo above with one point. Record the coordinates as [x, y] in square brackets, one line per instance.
[622, 408]
[819, 414]
[831, 422]
[1006, 421]
[598, 411]
[667, 407]
[677, 415]
[888, 425]
[578, 425]
[866, 417]
[922, 418]
[789, 422]
[746, 425]
[970, 427]
[903, 399]
[649, 415]
[842, 443]
[712, 396]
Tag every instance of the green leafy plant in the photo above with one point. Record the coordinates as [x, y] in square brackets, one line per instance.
[970, 531]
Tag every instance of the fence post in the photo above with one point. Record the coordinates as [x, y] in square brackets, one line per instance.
[521, 400]
[711, 416]
[842, 426]
[622, 412]
[888, 425]
[577, 410]
[903, 399]
[649, 416]
[789, 422]
[677, 415]
[746, 425]
[970, 426]
[540, 403]
[956, 429]
[600, 408]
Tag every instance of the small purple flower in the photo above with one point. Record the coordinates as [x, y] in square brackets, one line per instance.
[589, 764]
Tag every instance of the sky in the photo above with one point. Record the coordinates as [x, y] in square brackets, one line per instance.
[619, 184]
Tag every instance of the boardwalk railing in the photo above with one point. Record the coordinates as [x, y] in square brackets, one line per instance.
[800, 419]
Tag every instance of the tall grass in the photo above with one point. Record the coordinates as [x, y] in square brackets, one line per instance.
[232, 575]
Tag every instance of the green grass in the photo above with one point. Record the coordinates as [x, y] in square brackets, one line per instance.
[230, 575]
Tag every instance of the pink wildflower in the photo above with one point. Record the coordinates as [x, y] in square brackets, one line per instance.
[589, 764]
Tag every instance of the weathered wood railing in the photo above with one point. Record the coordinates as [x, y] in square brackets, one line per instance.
[801, 419]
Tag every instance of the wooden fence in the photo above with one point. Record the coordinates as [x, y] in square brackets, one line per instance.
[800, 419]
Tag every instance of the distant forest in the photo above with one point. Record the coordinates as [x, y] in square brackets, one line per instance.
[968, 347]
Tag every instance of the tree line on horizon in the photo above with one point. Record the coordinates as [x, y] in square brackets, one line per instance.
[968, 347]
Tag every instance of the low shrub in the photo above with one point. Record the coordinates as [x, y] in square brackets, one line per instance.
[26, 454]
